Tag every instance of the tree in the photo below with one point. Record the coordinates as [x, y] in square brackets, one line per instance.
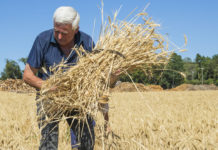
[190, 70]
[205, 68]
[215, 67]
[198, 60]
[137, 75]
[187, 60]
[169, 76]
[23, 60]
[11, 70]
[172, 75]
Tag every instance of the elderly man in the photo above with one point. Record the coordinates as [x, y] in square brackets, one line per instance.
[49, 48]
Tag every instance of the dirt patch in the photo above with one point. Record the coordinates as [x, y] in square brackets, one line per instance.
[130, 87]
[182, 87]
[155, 88]
[190, 87]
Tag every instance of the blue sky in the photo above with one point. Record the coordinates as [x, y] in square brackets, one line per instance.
[23, 20]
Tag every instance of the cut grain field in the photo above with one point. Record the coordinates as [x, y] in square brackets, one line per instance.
[150, 120]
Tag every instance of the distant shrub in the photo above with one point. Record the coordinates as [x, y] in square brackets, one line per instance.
[209, 81]
[216, 82]
[195, 82]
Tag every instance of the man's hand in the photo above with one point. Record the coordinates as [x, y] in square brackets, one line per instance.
[103, 99]
[52, 89]
[114, 77]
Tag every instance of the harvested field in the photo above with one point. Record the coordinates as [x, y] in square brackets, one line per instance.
[149, 120]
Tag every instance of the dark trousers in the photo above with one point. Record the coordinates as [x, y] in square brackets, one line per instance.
[84, 132]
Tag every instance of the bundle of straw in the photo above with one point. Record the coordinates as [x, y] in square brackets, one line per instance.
[122, 46]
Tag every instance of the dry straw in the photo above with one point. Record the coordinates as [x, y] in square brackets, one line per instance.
[15, 85]
[122, 46]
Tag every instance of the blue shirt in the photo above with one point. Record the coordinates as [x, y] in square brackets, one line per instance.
[46, 52]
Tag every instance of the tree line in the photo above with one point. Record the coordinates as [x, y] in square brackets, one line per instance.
[201, 70]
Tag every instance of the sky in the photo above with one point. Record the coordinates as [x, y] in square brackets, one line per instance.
[22, 20]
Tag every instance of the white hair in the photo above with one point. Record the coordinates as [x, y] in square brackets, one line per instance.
[67, 15]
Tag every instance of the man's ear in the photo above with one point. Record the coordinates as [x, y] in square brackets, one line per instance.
[77, 30]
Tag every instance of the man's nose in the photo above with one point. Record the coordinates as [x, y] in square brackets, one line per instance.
[60, 36]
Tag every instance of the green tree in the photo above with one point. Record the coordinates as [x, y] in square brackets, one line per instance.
[172, 76]
[199, 61]
[205, 70]
[137, 75]
[214, 65]
[187, 60]
[167, 77]
[205, 67]
[190, 68]
[11, 70]
[23, 60]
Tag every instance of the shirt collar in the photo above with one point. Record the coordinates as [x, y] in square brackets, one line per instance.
[53, 38]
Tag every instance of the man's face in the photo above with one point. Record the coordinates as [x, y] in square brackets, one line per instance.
[63, 33]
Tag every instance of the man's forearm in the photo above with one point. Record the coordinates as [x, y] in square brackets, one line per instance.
[34, 81]
[30, 78]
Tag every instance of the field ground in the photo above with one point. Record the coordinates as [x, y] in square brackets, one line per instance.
[150, 120]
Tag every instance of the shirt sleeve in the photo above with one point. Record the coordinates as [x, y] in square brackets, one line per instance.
[35, 57]
[91, 44]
